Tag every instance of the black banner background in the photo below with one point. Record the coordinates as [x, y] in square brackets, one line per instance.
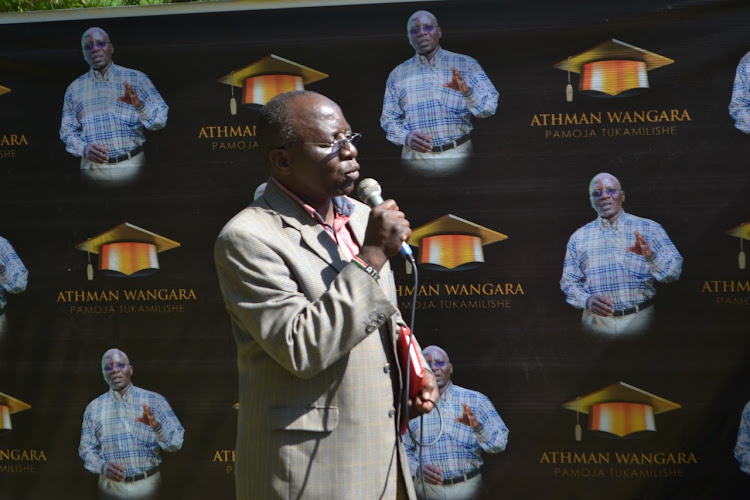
[528, 358]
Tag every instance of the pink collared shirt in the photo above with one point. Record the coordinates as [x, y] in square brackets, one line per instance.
[339, 232]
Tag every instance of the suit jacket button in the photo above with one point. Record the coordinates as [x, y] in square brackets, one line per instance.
[392, 413]
[387, 368]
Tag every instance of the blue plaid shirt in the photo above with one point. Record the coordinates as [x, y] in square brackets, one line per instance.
[596, 262]
[739, 106]
[416, 101]
[93, 115]
[14, 275]
[459, 449]
[742, 448]
[109, 432]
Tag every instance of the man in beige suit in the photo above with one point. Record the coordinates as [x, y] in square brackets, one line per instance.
[306, 280]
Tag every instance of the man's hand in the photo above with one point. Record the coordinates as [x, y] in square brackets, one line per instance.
[468, 418]
[387, 229]
[130, 97]
[147, 418]
[600, 305]
[419, 141]
[96, 153]
[433, 474]
[113, 471]
[427, 397]
[641, 247]
[458, 83]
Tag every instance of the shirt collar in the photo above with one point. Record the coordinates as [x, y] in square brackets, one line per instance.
[122, 397]
[422, 60]
[105, 77]
[342, 205]
[447, 392]
[605, 224]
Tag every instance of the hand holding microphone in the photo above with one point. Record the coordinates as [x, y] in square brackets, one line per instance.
[387, 230]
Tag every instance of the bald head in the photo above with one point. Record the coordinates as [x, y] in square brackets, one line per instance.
[97, 49]
[116, 370]
[438, 361]
[275, 125]
[424, 33]
[606, 196]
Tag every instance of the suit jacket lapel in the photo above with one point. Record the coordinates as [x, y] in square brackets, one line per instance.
[311, 230]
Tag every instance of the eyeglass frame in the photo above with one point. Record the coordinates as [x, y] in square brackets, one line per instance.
[112, 366]
[353, 140]
[428, 28]
[98, 44]
[598, 194]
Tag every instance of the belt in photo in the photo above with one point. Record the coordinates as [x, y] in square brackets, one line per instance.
[126, 156]
[638, 307]
[450, 145]
[143, 475]
[461, 478]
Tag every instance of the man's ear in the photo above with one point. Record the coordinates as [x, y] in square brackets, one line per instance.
[280, 161]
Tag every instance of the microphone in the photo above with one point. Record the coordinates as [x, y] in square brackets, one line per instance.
[370, 192]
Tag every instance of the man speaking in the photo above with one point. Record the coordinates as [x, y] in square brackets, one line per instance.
[305, 277]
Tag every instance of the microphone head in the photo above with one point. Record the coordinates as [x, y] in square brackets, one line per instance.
[368, 188]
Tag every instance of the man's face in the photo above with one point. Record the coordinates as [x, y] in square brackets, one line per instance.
[424, 33]
[97, 49]
[116, 370]
[318, 172]
[606, 196]
[440, 365]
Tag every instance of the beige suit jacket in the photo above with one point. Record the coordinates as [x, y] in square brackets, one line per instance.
[316, 358]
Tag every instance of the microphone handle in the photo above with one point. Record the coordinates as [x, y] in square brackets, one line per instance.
[405, 250]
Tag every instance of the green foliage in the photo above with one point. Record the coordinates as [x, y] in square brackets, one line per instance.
[31, 5]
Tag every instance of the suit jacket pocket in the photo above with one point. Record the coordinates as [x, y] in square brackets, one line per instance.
[311, 419]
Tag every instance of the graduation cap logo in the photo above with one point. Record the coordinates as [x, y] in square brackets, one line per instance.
[268, 77]
[620, 409]
[9, 405]
[127, 251]
[452, 243]
[612, 69]
[743, 233]
[4, 90]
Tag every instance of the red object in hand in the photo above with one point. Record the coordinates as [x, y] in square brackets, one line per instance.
[411, 366]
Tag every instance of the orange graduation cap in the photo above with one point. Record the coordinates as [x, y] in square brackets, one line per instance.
[268, 77]
[9, 405]
[4, 90]
[743, 233]
[127, 250]
[612, 68]
[620, 409]
[451, 242]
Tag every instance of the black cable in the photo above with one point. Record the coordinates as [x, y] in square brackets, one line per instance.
[407, 371]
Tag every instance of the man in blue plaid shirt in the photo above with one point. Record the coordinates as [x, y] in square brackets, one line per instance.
[448, 468]
[105, 112]
[13, 279]
[429, 102]
[739, 106]
[612, 264]
[123, 432]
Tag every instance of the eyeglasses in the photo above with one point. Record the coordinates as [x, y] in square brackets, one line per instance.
[335, 146]
[427, 28]
[599, 193]
[98, 44]
[437, 364]
[115, 366]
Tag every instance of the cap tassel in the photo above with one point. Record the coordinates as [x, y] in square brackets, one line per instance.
[569, 87]
[578, 430]
[232, 101]
[741, 256]
[89, 268]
